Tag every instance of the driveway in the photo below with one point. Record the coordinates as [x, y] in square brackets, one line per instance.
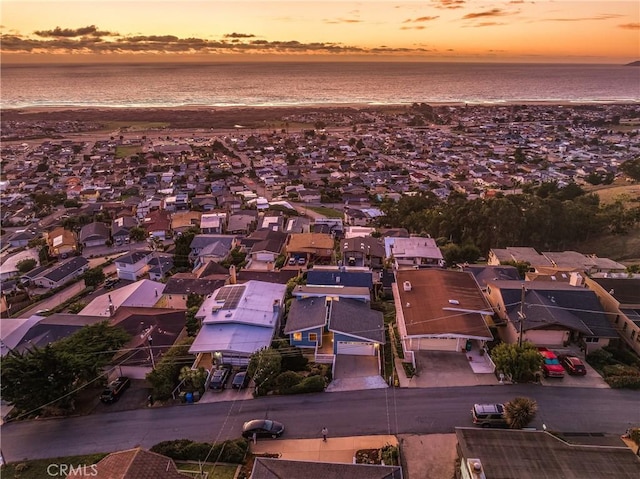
[446, 369]
[352, 373]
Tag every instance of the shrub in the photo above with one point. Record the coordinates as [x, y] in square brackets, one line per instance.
[310, 384]
[623, 355]
[390, 455]
[520, 411]
[620, 370]
[627, 382]
[287, 380]
[634, 434]
[232, 451]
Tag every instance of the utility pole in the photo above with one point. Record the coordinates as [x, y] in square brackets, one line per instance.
[153, 361]
[521, 315]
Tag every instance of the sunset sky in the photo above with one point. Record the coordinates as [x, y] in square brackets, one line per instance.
[435, 30]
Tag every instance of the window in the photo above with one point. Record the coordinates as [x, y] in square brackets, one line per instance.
[624, 326]
[591, 340]
[633, 334]
[313, 337]
[297, 336]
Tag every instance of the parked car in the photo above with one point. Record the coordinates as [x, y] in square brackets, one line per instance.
[488, 415]
[573, 365]
[302, 260]
[292, 261]
[115, 389]
[240, 380]
[219, 377]
[551, 368]
[262, 428]
[111, 282]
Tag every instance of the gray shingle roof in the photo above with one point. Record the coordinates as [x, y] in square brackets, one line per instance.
[66, 268]
[305, 314]
[356, 318]
[264, 468]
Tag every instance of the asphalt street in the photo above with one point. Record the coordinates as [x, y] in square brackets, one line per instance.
[380, 411]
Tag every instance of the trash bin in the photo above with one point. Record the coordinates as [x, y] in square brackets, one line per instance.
[468, 346]
[189, 397]
[182, 396]
[196, 396]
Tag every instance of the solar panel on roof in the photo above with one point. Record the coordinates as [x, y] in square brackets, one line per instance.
[230, 295]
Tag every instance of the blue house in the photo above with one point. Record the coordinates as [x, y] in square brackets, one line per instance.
[340, 277]
[331, 326]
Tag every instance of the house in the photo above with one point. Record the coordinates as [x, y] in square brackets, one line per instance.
[48, 330]
[413, 252]
[339, 277]
[498, 256]
[242, 222]
[181, 221]
[157, 224]
[132, 266]
[362, 251]
[61, 242]
[213, 223]
[152, 330]
[178, 289]
[439, 310]
[131, 464]
[266, 468]
[332, 326]
[620, 298]
[314, 247]
[265, 245]
[94, 234]
[555, 314]
[302, 291]
[62, 272]
[573, 261]
[121, 229]
[160, 266]
[10, 266]
[21, 238]
[485, 273]
[238, 320]
[516, 453]
[309, 196]
[210, 248]
[143, 293]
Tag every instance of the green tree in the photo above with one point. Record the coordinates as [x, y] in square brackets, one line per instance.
[26, 265]
[520, 411]
[47, 379]
[192, 324]
[94, 276]
[183, 247]
[164, 378]
[264, 367]
[631, 168]
[43, 255]
[521, 266]
[194, 379]
[137, 234]
[194, 300]
[517, 362]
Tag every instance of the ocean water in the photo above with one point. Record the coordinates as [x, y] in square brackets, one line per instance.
[289, 84]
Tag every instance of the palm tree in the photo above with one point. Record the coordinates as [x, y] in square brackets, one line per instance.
[520, 411]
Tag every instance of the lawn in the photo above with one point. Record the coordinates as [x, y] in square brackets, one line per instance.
[56, 467]
[213, 471]
[127, 151]
[328, 212]
[630, 194]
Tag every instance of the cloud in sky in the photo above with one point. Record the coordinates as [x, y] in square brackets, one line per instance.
[494, 12]
[604, 16]
[338, 21]
[448, 4]
[87, 40]
[630, 26]
[421, 19]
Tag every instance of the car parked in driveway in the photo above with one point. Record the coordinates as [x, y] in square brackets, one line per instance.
[219, 377]
[573, 365]
[551, 367]
[262, 428]
[240, 380]
[115, 389]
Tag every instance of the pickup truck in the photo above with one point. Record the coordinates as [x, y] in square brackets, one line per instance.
[551, 367]
[115, 389]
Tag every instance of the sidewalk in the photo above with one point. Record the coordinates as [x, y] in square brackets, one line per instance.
[335, 450]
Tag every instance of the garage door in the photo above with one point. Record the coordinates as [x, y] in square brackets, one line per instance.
[264, 257]
[358, 349]
[438, 344]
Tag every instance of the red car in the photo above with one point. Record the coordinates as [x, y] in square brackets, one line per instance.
[551, 368]
[573, 365]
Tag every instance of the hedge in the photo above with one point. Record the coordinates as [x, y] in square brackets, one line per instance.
[310, 384]
[231, 451]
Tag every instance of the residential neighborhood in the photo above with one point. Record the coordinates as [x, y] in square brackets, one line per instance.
[245, 265]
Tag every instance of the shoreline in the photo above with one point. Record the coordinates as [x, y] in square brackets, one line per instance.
[323, 106]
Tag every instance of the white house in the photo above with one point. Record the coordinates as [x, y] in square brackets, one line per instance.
[133, 265]
[238, 320]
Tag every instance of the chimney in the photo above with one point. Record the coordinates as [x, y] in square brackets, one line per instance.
[112, 308]
[576, 279]
[232, 272]
[276, 306]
